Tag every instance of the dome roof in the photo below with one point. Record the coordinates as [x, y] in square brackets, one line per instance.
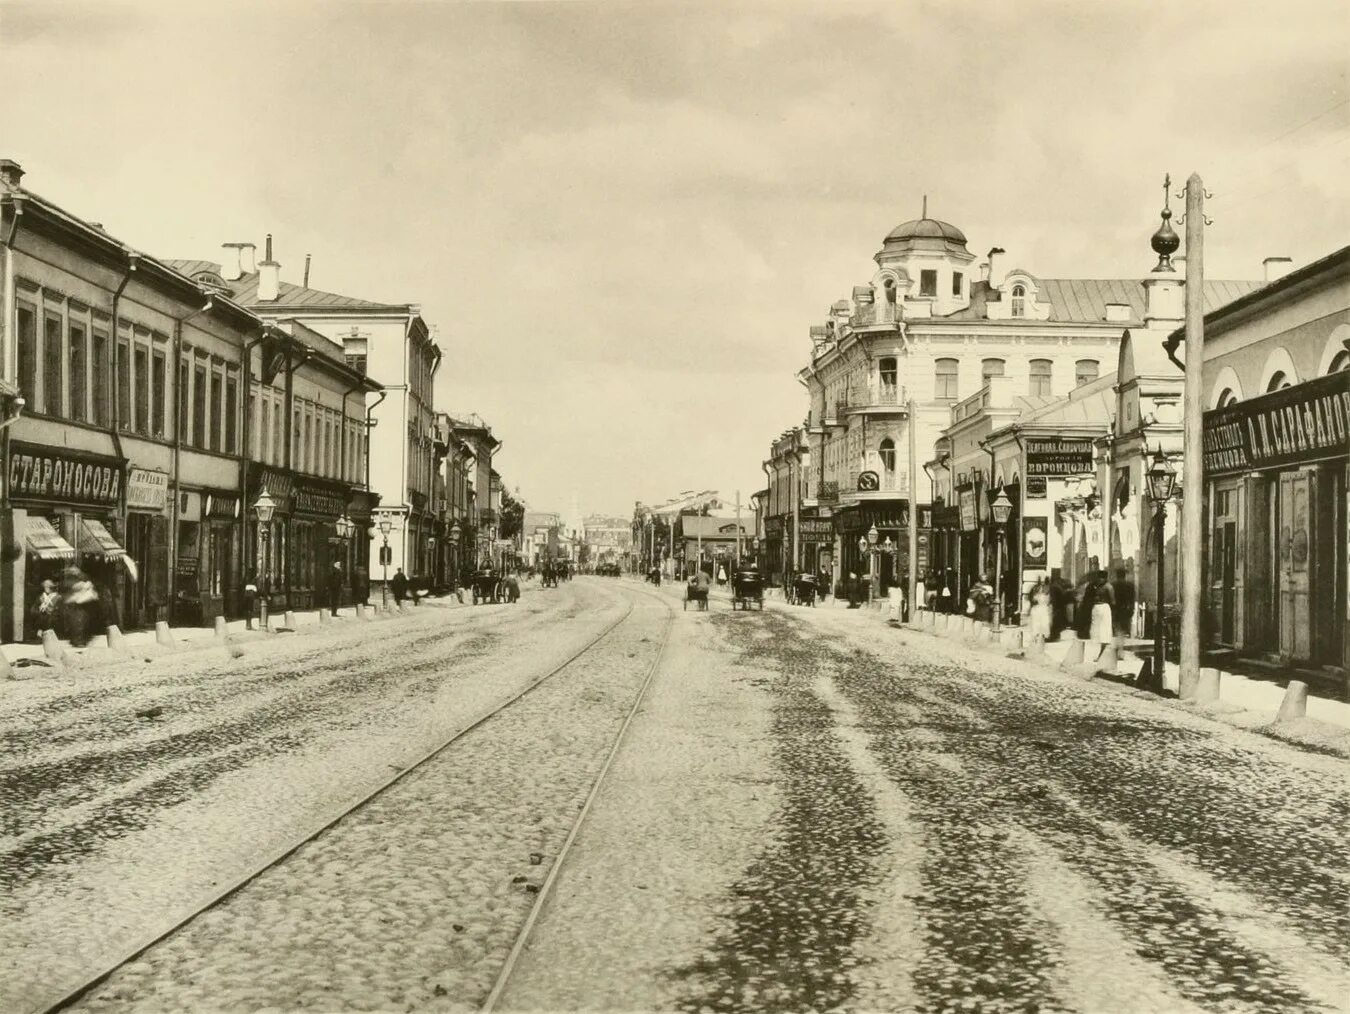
[926, 228]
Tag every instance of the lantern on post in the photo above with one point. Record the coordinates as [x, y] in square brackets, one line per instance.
[265, 508]
[1001, 508]
[1162, 479]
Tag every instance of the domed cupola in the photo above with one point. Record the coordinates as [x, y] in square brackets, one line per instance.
[924, 234]
[923, 265]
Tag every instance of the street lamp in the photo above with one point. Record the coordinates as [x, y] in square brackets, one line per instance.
[265, 507]
[873, 565]
[386, 526]
[455, 531]
[1002, 510]
[1162, 479]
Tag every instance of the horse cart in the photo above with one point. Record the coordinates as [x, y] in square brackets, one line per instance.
[486, 587]
[747, 588]
[804, 589]
[697, 594]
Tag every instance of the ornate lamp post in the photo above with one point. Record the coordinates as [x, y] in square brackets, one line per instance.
[873, 565]
[345, 528]
[1002, 509]
[386, 526]
[455, 531]
[265, 507]
[1162, 479]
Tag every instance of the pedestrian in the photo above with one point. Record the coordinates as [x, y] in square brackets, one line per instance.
[854, 591]
[1059, 606]
[1085, 597]
[335, 587]
[399, 585]
[80, 600]
[721, 575]
[1103, 601]
[981, 602]
[46, 608]
[1041, 613]
[1122, 612]
[250, 598]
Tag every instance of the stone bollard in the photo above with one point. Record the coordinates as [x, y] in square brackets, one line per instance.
[52, 647]
[926, 619]
[1207, 689]
[6, 670]
[1148, 679]
[1012, 638]
[1074, 656]
[115, 639]
[324, 618]
[163, 636]
[940, 623]
[1036, 649]
[403, 607]
[289, 619]
[360, 610]
[982, 634]
[1295, 703]
[221, 629]
[1109, 660]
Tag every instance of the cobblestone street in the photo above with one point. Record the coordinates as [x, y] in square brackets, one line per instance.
[811, 810]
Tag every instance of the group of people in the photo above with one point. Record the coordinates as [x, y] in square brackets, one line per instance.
[73, 610]
[1098, 610]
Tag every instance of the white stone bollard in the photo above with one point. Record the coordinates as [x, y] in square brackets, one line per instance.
[1295, 703]
[1074, 656]
[289, 619]
[163, 635]
[1207, 689]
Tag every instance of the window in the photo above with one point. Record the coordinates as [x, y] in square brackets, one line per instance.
[184, 402]
[28, 354]
[958, 280]
[1339, 363]
[99, 358]
[52, 360]
[990, 368]
[357, 363]
[142, 424]
[1226, 398]
[159, 394]
[886, 371]
[79, 385]
[277, 435]
[1085, 371]
[123, 385]
[199, 407]
[887, 452]
[1041, 377]
[307, 460]
[947, 370]
[231, 415]
[928, 282]
[1278, 382]
[217, 408]
[296, 458]
[1019, 300]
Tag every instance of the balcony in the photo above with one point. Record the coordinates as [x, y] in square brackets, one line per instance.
[889, 484]
[878, 399]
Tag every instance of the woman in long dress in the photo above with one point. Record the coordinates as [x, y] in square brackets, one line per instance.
[1040, 610]
[1103, 598]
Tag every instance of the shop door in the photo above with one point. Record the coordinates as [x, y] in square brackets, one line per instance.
[1295, 543]
[1227, 566]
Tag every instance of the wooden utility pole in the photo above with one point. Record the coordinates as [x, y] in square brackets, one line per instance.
[913, 511]
[738, 529]
[1192, 491]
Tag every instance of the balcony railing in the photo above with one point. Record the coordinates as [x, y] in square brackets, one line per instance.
[878, 395]
[887, 482]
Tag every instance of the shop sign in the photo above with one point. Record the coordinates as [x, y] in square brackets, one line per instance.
[1307, 422]
[868, 482]
[816, 531]
[147, 489]
[773, 527]
[969, 522]
[1059, 457]
[314, 501]
[828, 492]
[41, 473]
[1036, 487]
[1034, 542]
[221, 505]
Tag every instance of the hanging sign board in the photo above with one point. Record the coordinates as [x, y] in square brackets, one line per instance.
[968, 520]
[1304, 423]
[1034, 542]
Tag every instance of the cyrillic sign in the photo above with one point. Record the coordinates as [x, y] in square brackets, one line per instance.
[1307, 422]
[41, 473]
[1059, 457]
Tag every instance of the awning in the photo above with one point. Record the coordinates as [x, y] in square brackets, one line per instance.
[95, 540]
[45, 542]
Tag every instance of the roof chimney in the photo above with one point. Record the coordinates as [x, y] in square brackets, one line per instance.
[248, 256]
[230, 268]
[994, 278]
[269, 276]
[1277, 267]
[10, 172]
[984, 271]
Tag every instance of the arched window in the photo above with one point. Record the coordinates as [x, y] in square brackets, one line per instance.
[1279, 380]
[1226, 398]
[887, 451]
[1019, 300]
[947, 370]
[1041, 373]
[990, 368]
[1085, 371]
[886, 372]
[1339, 362]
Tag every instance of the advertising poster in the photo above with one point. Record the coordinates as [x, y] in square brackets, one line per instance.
[1034, 542]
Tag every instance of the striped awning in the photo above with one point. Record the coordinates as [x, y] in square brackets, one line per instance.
[45, 542]
[96, 540]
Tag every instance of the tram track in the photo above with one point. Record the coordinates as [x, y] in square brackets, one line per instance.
[72, 994]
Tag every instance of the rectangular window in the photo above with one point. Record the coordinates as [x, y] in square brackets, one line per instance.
[295, 439]
[265, 432]
[947, 370]
[277, 434]
[102, 398]
[79, 384]
[1040, 377]
[142, 391]
[928, 282]
[1085, 371]
[159, 392]
[231, 415]
[957, 279]
[123, 385]
[184, 401]
[199, 407]
[28, 354]
[308, 465]
[53, 356]
[217, 407]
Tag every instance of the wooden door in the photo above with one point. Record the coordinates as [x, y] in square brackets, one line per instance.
[1295, 549]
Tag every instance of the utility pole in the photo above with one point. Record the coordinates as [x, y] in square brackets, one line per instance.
[738, 529]
[913, 512]
[1192, 518]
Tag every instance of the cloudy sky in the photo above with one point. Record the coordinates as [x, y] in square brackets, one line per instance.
[623, 218]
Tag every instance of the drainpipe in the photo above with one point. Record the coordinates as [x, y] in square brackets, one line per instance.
[16, 202]
[178, 445]
[383, 394]
[116, 432]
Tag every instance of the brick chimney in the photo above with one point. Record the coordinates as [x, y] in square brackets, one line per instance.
[248, 256]
[269, 276]
[1277, 267]
[10, 172]
[231, 261]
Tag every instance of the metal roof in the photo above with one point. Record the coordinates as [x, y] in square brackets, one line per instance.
[245, 290]
[1083, 300]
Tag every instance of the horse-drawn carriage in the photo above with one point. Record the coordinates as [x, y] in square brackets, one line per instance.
[804, 589]
[487, 587]
[747, 588]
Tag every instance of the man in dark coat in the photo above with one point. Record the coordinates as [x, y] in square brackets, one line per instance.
[335, 587]
[399, 584]
[1122, 610]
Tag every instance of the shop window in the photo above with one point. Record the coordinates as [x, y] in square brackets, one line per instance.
[231, 416]
[1041, 374]
[947, 371]
[142, 424]
[217, 408]
[28, 354]
[991, 368]
[1278, 382]
[159, 392]
[199, 407]
[123, 385]
[1085, 371]
[79, 384]
[928, 282]
[1019, 300]
[52, 356]
[102, 400]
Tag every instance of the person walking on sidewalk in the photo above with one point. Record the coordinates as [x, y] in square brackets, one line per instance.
[335, 587]
[1103, 602]
[1122, 610]
[399, 584]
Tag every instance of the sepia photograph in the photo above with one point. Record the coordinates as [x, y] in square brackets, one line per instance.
[694, 506]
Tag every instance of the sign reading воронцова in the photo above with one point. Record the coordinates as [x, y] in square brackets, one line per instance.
[1054, 456]
[1307, 422]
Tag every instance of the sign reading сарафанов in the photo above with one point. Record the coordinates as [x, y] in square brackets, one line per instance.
[1307, 422]
[62, 476]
